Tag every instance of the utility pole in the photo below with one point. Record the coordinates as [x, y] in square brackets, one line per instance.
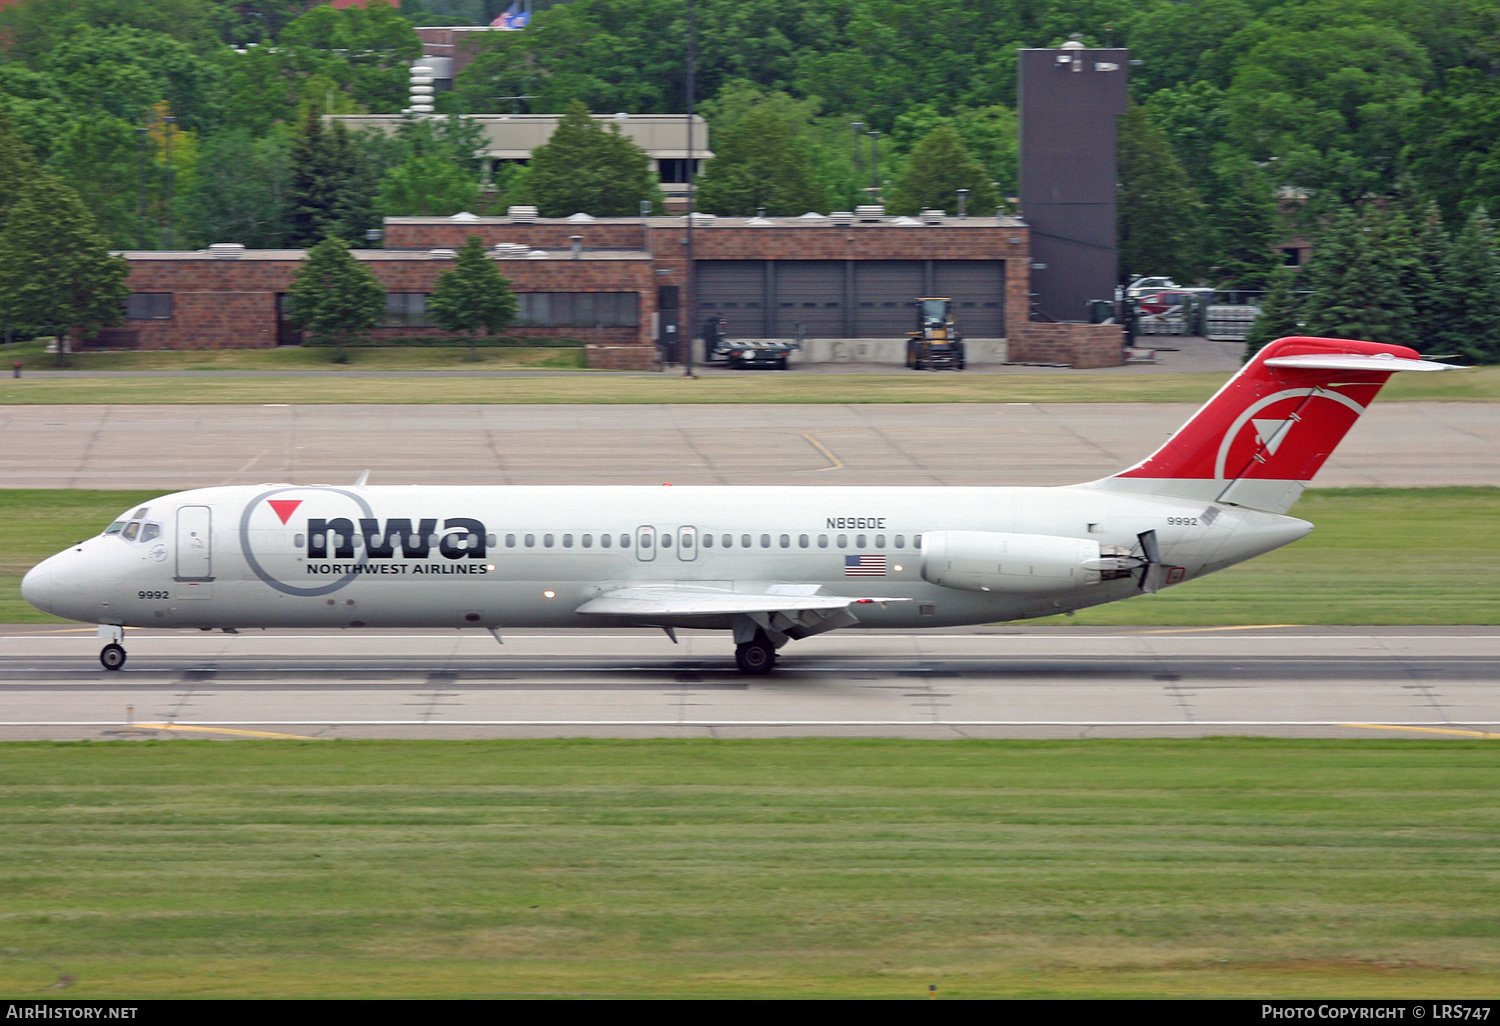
[689, 304]
[140, 187]
[874, 167]
[859, 127]
[169, 121]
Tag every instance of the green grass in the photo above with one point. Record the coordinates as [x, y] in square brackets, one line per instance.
[838, 868]
[1378, 556]
[593, 387]
[298, 358]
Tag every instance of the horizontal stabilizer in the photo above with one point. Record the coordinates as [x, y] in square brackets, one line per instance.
[1382, 362]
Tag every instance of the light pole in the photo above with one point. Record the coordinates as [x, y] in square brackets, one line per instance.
[140, 187]
[859, 127]
[963, 204]
[874, 167]
[691, 282]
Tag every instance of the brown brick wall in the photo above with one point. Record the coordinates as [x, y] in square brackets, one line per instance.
[606, 357]
[441, 235]
[1080, 346]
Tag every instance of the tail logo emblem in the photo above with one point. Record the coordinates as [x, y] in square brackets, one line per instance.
[1272, 433]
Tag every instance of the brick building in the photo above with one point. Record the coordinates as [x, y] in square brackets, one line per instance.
[843, 283]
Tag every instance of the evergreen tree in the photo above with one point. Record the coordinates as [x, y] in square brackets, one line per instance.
[1416, 279]
[473, 296]
[313, 189]
[938, 167]
[1473, 292]
[427, 185]
[334, 297]
[1363, 298]
[758, 162]
[1331, 253]
[1424, 283]
[1160, 216]
[353, 211]
[1242, 215]
[1278, 313]
[55, 268]
[587, 168]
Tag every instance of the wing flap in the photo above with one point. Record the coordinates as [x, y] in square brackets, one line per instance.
[688, 602]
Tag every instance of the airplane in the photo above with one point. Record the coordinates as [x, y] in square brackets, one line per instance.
[769, 564]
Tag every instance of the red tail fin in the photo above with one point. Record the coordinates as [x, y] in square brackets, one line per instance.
[1263, 436]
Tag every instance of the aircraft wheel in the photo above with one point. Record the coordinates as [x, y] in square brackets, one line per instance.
[781, 363]
[112, 657]
[756, 657]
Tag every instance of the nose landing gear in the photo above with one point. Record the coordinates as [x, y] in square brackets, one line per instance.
[112, 655]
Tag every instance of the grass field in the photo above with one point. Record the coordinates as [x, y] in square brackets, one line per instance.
[1220, 867]
[594, 387]
[1378, 556]
[298, 358]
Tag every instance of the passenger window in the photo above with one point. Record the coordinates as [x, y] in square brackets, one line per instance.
[297, 540]
[489, 541]
[624, 541]
[728, 541]
[744, 541]
[546, 541]
[786, 541]
[843, 541]
[567, 541]
[880, 541]
[131, 530]
[900, 541]
[822, 541]
[588, 541]
[605, 539]
[151, 532]
[859, 541]
[666, 541]
[802, 541]
[916, 541]
[765, 541]
[708, 541]
[510, 541]
[530, 540]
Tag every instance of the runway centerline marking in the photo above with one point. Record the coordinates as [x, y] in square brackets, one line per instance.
[1201, 630]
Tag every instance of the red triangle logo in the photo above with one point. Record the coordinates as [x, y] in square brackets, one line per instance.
[284, 507]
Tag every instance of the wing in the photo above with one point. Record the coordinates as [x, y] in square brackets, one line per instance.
[797, 611]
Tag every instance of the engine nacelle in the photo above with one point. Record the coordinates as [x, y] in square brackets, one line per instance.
[1010, 563]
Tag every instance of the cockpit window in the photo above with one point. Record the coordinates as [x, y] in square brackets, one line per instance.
[140, 514]
[115, 528]
[131, 530]
[150, 532]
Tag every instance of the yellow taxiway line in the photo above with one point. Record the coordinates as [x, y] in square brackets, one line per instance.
[838, 464]
[224, 730]
[1423, 730]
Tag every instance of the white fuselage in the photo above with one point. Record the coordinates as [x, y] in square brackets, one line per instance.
[232, 557]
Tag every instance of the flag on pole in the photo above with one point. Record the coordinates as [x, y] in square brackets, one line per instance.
[513, 20]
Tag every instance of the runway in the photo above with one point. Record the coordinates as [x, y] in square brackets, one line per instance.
[1403, 445]
[990, 682]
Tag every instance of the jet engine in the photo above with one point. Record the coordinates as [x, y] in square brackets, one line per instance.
[1018, 563]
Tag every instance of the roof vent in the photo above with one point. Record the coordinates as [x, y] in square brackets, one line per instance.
[870, 212]
[537, 254]
[812, 215]
[906, 222]
[226, 250]
[521, 215]
[706, 220]
[510, 250]
[758, 222]
[842, 218]
[441, 254]
[582, 218]
[933, 216]
[464, 215]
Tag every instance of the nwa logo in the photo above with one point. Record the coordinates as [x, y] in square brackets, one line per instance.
[1286, 435]
[341, 545]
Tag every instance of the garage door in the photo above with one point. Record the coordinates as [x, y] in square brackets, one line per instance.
[977, 288]
[810, 292]
[885, 294]
[736, 291]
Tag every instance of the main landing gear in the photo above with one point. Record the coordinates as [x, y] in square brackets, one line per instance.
[756, 657]
[112, 656]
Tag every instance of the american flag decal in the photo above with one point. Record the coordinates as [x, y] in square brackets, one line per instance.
[864, 566]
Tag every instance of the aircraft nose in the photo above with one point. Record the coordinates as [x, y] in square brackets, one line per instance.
[36, 587]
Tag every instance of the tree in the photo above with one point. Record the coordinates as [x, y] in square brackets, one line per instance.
[473, 296]
[760, 163]
[1278, 314]
[1361, 296]
[1472, 283]
[939, 166]
[17, 167]
[55, 269]
[427, 186]
[585, 167]
[334, 297]
[1160, 216]
[331, 189]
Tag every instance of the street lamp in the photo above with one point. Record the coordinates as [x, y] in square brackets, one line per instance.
[859, 127]
[874, 167]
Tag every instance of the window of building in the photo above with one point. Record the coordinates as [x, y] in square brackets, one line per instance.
[148, 306]
[407, 310]
[578, 309]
